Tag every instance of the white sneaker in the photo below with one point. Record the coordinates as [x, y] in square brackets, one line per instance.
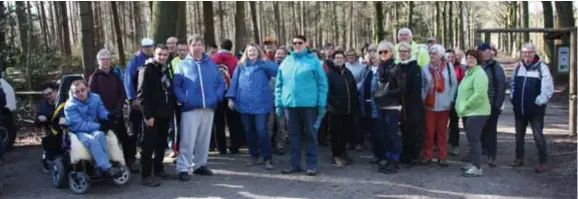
[455, 151]
[473, 172]
[466, 168]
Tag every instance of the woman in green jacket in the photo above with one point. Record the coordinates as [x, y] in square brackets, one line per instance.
[473, 103]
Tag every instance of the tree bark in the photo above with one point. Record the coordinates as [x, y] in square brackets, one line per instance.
[57, 39]
[277, 20]
[209, 22]
[43, 23]
[565, 12]
[65, 30]
[410, 15]
[87, 29]
[254, 22]
[181, 19]
[462, 25]
[138, 22]
[221, 20]
[548, 23]
[117, 30]
[22, 27]
[526, 20]
[163, 12]
[239, 25]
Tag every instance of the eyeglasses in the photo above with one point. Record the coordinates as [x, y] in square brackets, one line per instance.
[297, 43]
[383, 52]
[402, 51]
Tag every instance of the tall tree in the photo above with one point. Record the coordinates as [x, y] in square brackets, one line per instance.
[548, 23]
[410, 15]
[209, 34]
[277, 20]
[164, 11]
[117, 30]
[87, 29]
[23, 27]
[138, 21]
[526, 19]
[462, 25]
[43, 23]
[99, 31]
[181, 19]
[221, 20]
[253, 9]
[239, 25]
[565, 12]
[65, 30]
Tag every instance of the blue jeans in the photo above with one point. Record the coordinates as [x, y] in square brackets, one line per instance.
[255, 126]
[387, 133]
[302, 119]
[96, 144]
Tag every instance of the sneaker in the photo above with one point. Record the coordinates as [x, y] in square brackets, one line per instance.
[517, 163]
[455, 151]
[114, 172]
[542, 168]
[491, 161]
[425, 161]
[269, 165]
[253, 161]
[203, 171]
[184, 176]
[150, 182]
[443, 163]
[339, 161]
[473, 172]
[467, 167]
[290, 170]
[311, 172]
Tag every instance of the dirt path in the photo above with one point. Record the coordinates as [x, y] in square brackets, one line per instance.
[234, 180]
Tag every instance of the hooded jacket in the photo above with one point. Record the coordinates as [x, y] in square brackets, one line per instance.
[301, 81]
[443, 100]
[157, 99]
[342, 95]
[472, 98]
[496, 83]
[109, 86]
[83, 116]
[411, 97]
[198, 83]
[250, 86]
[531, 87]
[130, 76]
[227, 58]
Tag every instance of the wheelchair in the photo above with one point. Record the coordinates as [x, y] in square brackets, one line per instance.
[74, 166]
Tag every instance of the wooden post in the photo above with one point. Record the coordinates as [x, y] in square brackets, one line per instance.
[572, 94]
[488, 37]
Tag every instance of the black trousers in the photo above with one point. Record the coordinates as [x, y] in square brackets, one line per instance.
[412, 134]
[323, 131]
[340, 127]
[231, 118]
[357, 134]
[154, 141]
[454, 135]
[489, 137]
[128, 142]
[137, 126]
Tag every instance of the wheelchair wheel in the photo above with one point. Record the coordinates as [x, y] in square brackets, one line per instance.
[58, 173]
[7, 138]
[124, 177]
[78, 182]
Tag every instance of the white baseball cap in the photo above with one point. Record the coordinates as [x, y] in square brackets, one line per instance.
[147, 42]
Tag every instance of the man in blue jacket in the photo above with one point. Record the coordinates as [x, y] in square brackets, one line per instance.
[83, 112]
[130, 84]
[199, 86]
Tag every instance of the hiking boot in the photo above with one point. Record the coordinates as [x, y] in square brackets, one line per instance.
[542, 168]
[517, 163]
[455, 151]
[473, 172]
[339, 161]
[290, 170]
[114, 172]
[311, 172]
[466, 168]
[184, 176]
[203, 171]
[269, 165]
[150, 182]
[253, 161]
[491, 161]
[443, 163]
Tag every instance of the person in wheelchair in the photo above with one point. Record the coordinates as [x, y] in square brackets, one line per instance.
[83, 111]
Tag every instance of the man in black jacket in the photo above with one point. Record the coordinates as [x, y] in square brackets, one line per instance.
[158, 105]
[342, 104]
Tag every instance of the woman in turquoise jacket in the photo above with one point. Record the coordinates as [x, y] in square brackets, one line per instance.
[301, 93]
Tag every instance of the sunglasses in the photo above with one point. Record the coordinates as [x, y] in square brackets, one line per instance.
[80, 90]
[383, 52]
[297, 43]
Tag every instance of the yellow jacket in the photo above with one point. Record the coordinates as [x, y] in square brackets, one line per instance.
[422, 56]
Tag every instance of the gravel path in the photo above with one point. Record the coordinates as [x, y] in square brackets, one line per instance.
[234, 180]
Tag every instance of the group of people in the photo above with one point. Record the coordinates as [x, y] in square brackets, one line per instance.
[182, 97]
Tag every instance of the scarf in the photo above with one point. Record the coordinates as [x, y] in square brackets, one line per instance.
[438, 81]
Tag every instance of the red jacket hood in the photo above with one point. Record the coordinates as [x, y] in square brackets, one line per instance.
[227, 58]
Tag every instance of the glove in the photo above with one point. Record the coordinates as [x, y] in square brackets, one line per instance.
[279, 112]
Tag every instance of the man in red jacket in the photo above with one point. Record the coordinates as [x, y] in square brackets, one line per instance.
[226, 59]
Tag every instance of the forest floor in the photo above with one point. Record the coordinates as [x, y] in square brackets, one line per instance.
[232, 179]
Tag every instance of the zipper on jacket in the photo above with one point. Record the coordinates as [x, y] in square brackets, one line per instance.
[202, 85]
[523, 89]
[348, 95]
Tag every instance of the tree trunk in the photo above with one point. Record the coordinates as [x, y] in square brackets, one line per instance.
[262, 28]
[526, 20]
[449, 39]
[302, 18]
[22, 27]
[117, 30]
[548, 23]
[277, 20]
[65, 30]
[181, 19]
[138, 22]
[53, 24]
[410, 15]
[87, 28]
[438, 23]
[43, 23]
[294, 19]
[565, 12]
[445, 24]
[221, 21]
[239, 25]
[462, 25]
[99, 33]
[3, 58]
[209, 34]
[254, 22]
[164, 11]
